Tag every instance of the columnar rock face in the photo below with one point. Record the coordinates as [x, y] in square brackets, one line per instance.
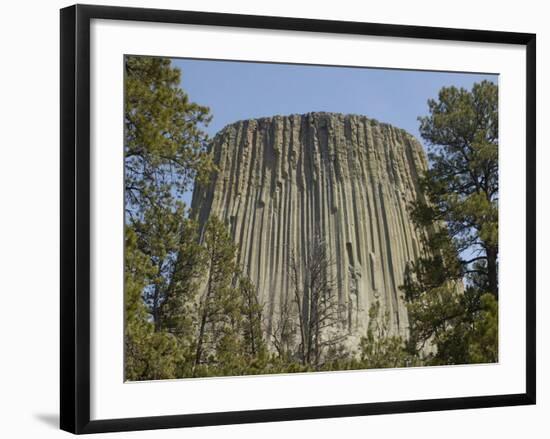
[344, 179]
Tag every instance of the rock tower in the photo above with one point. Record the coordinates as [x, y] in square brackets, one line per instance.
[284, 181]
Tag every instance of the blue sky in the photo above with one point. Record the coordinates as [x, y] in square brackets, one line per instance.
[241, 90]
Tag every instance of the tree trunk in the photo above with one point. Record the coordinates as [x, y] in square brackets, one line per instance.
[156, 309]
[198, 353]
[202, 328]
[492, 271]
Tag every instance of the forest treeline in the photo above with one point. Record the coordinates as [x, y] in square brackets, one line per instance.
[190, 311]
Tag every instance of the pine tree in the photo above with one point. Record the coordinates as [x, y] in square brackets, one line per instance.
[462, 183]
[149, 354]
[379, 348]
[253, 344]
[219, 312]
[452, 290]
[164, 148]
[164, 152]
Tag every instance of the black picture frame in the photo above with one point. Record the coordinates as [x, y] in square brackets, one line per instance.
[75, 217]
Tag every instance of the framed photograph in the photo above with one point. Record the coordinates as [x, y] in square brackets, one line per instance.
[273, 218]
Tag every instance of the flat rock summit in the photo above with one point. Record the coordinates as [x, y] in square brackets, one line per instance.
[347, 180]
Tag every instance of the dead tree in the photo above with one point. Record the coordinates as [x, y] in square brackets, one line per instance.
[316, 301]
[284, 329]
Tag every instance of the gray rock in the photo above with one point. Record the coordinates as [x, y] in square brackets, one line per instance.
[287, 180]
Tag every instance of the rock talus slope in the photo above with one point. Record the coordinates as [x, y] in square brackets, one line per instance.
[284, 181]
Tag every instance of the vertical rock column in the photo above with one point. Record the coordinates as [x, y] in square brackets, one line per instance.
[285, 181]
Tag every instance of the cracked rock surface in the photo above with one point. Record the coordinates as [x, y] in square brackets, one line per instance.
[348, 180]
